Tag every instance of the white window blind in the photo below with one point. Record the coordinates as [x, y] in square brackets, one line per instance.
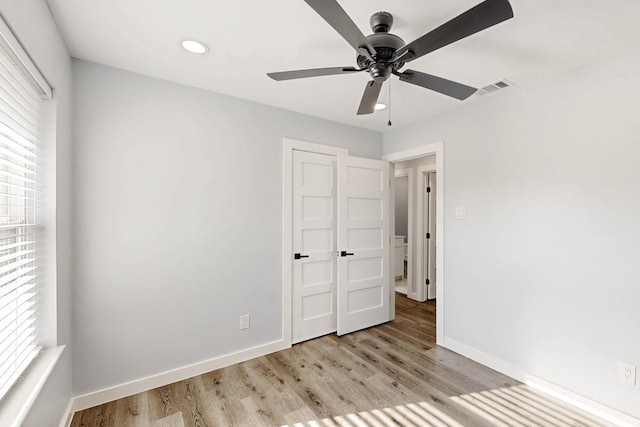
[21, 97]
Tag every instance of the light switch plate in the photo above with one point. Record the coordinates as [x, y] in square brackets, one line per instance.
[244, 321]
[461, 212]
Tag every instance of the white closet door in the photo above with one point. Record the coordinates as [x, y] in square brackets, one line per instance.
[363, 242]
[314, 246]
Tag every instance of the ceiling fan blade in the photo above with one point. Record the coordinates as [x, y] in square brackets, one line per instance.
[478, 18]
[369, 97]
[438, 84]
[335, 16]
[314, 72]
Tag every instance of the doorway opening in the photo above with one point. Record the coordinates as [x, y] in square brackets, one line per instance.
[403, 205]
[412, 234]
[425, 249]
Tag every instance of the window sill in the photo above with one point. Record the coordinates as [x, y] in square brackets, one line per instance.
[16, 405]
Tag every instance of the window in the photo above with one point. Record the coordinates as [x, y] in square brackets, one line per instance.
[22, 93]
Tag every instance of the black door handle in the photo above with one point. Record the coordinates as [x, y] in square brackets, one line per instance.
[298, 256]
[345, 253]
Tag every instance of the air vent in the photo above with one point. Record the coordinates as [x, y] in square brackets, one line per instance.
[494, 87]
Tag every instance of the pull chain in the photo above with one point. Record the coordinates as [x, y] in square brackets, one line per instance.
[389, 122]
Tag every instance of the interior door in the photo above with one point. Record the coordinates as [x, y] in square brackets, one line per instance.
[314, 246]
[363, 242]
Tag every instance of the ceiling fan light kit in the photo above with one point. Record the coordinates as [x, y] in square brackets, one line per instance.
[382, 53]
[195, 46]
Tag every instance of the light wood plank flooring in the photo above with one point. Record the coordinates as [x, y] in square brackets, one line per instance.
[388, 375]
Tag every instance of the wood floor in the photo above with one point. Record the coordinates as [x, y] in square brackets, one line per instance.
[389, 375]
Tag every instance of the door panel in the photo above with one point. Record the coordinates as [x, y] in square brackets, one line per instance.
[363, 233]
[316, 273]
[367, 238]
[315, 206]
[318, 239]
[314, 235]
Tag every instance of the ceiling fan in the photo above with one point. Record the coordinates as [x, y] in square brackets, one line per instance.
[383, 53]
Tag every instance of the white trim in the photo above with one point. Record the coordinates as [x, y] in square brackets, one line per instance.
[437, 149]
[410, 235]
[295, 144]
[18, 402]
[586, 404]
[287, 238]
[413, 153]
[110, 394]
[14, 48]
[67, 417]
[392, 233]
[440, 331]
[288, 146]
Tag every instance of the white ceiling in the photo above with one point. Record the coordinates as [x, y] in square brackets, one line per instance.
[250, 38]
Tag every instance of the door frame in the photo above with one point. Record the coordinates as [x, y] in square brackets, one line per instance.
[288, 147]
[437, 149]
[410, 208]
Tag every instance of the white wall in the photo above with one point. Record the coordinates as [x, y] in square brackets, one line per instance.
[543, 272]
[35, 28]
[178, 216]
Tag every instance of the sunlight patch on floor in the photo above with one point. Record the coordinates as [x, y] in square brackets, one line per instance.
[420, 414]
[522, 406]
[517, 406]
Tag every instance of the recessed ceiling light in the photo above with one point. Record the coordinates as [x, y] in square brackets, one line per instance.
[380, 106]
[194, 46]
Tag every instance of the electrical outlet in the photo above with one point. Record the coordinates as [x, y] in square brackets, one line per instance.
[627, 373]
[244, 321]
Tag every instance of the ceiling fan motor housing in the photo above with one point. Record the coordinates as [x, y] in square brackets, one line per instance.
[385, 44]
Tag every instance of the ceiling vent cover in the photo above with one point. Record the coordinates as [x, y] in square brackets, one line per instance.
[502, 84]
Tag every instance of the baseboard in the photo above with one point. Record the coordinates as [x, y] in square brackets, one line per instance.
[591, 406]
[100, 397]
[68, 415]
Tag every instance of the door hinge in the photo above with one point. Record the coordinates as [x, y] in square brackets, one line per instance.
[428, 189]
[428, 235]
[427, 281]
